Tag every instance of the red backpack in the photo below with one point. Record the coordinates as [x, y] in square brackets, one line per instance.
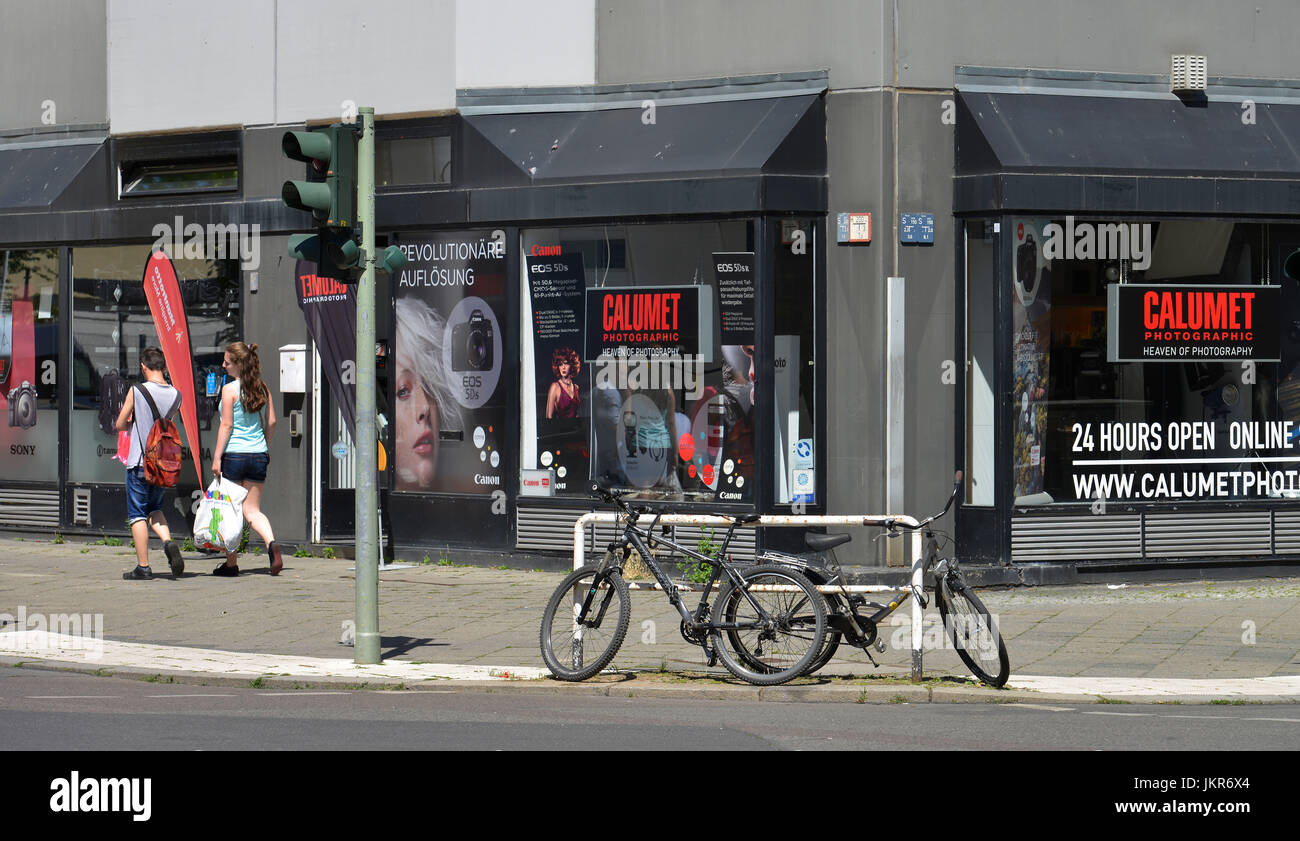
[161, 454]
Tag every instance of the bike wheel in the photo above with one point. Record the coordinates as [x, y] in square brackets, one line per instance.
[577, 647]
[973, 632]
[794, 634]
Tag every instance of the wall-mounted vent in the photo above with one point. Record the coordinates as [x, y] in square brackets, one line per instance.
[81, 506]
[1187, 73]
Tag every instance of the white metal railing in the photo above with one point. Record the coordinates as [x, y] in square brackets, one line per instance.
[790, 521]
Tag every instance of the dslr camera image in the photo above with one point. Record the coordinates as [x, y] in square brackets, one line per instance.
[471, 344]
[1027, 266]
[22, 406]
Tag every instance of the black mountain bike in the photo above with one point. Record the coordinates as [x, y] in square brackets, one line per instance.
[767, 625]
[973, 631]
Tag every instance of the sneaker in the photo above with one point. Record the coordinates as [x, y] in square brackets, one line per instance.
[174, 559]
[277, 561]
[139, 574]
[226, 571]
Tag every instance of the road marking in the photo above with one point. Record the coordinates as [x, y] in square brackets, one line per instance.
[1261, 718]
[1043, 707]
[66, 697]
[295, 694]
[189, 696]
[1226, 717]
[1100, 712]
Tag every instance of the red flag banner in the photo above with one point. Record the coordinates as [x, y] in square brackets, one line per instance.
[168, 309]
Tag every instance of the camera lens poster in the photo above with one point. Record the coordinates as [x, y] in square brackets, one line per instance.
[556, 286]
[1031, 278]
[449, 404]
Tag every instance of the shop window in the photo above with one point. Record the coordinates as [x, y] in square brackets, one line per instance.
[794, 376]
[1215, 424]
[29, 343]
[111, 324]
[172, 178]
[636, 361]
[412, 160]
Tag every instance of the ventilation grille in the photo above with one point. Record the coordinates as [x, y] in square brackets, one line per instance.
[1226, 535]
[1154, 536]
[29, 507]
[1187, 73]
[81, 506]
[1102, 537]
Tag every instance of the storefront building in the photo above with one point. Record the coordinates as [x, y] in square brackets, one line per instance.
[816, 262]
[1132, 269]
[675, 278]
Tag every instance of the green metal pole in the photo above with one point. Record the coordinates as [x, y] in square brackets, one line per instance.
[366, 645]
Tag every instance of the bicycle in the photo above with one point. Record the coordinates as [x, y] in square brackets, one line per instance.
[773, 614]
[968, 623]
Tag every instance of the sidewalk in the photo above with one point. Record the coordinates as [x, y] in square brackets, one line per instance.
[474, 627]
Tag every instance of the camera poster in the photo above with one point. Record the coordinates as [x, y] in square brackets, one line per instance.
[449, 405]
[1031, 353]
[735, 275]
[556, 287]
[29, 432]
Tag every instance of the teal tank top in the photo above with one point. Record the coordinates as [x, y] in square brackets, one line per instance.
[246, 436]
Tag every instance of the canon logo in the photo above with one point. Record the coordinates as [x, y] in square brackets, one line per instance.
[545, 251]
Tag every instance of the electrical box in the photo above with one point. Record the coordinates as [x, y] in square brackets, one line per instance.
[293, 369]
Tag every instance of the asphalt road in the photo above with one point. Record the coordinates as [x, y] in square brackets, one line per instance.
[43, 710]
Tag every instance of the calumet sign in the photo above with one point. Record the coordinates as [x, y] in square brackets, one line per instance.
[644, 322]
[1167, 323]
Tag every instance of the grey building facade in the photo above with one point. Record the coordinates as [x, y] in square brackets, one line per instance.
[915, 358]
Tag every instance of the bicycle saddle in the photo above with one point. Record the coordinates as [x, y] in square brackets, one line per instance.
[822, 542]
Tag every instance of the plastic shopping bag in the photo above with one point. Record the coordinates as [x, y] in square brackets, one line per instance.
[123, 446]
[219, 524]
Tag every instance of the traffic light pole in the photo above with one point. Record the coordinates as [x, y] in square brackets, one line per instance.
[366, 646]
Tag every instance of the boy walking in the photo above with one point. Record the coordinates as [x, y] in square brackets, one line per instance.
[143, 500]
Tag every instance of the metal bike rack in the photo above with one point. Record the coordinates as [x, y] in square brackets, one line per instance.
[789, 521]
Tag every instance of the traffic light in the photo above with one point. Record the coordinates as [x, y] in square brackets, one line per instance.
[330, 196]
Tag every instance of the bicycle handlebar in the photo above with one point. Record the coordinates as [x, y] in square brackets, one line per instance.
[892, 523]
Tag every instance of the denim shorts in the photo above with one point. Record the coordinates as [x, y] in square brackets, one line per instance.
[142, 498]
[238, 467]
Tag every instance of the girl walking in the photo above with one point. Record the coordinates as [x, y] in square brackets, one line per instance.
[247, 424]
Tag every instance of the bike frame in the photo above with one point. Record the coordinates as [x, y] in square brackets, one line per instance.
[639, 539]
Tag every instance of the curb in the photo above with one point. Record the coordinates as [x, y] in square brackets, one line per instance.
[633, 685]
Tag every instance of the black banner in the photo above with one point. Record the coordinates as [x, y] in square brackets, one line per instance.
[1168, 323]
[643, 322]
[330, 310]
[555, 286]
[735, 273]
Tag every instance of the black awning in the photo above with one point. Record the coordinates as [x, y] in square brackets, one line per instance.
[33, 177]
[698, 138]
[1018, 151]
